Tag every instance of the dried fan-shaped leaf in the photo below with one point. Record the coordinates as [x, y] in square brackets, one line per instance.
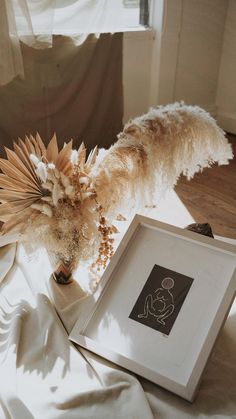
[5, 211]
[29, 146]
[20, 205]
[4, 219]
[15, 207]
[10, 225]
[18, 220]
[41, 145]
[14, 159]
[16, 185]
[25, 159]
[8, 196]
[91, 160]
[26, 154]
[67, 169]
[64, 157]
[36, 146]
[81, 155]
[52, 150]
[24, 148]
[11, 171]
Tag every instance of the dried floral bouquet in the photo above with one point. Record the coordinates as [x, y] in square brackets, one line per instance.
[65, 202]
[50, 198]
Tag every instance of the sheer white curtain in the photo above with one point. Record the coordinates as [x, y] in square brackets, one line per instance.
[35, 21]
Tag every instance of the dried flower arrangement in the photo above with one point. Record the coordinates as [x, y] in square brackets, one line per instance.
[50, 198]
[65, 202]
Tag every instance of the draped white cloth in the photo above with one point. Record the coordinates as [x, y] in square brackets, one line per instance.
[43, 375]
[35, 21]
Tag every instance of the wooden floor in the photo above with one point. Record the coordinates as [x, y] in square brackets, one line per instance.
[211, 196]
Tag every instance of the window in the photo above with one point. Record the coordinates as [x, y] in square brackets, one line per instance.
[136, 13]
[80, 16]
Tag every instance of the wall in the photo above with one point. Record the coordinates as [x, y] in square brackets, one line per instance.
[141, 65]
[226, 91]
[200, 44]
[185, 64]
[137, 54]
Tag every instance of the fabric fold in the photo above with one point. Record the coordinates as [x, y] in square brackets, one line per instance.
[7, 256]
[45, 375]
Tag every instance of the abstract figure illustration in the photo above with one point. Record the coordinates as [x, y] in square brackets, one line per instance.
[160, 304]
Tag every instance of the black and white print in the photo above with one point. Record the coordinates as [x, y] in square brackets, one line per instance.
[161, 299]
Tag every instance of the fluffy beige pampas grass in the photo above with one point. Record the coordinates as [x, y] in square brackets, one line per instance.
[156, 148]
[65, 201]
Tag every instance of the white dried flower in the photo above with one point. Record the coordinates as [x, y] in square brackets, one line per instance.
[51, 166]
[42, 171]
[86, 195]
[38, 207]
[34, 159]
[70, 191]
[74, 157]
[48, 186]
[43, 208]
[57, 193]
[57, 173]
[47, 210]
[47, 199]
[65, 180]
[84, 180]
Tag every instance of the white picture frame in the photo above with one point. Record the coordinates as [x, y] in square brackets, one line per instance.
[175, 361]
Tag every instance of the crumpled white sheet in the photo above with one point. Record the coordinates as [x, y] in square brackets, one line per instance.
[44, 376]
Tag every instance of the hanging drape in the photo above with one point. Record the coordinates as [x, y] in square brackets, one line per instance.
[35, 21]
[75, 91]
[70, 84]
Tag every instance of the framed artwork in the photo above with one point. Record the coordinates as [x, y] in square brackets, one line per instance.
[161, 304]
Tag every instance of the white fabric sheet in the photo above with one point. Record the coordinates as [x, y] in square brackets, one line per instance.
[36, 21]
[43, 375]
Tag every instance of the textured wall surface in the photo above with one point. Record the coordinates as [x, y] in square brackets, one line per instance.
[197, 59]
[226, 93]
[191, 51]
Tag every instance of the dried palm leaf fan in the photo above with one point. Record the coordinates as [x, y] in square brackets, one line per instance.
[65, 202]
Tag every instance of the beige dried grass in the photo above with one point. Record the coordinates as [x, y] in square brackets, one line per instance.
[66, 202]
[156, 148]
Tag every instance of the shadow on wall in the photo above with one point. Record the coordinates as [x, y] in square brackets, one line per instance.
[75, 91]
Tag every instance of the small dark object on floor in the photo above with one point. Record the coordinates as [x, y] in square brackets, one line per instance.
[199, 228]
